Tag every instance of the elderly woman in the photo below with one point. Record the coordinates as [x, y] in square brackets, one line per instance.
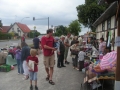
[74, 50]
[74, 40]
[25, 52]
[102, 46]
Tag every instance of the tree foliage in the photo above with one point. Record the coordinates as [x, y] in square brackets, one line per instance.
[61, 30]
[75, 27]
[32, 33]
[89, 12]
[0, 23]
[12, 34]
[5, 36]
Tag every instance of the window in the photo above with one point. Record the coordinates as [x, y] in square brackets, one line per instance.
[109, 23]
[103, 26]
[12, 29]
[18, 29]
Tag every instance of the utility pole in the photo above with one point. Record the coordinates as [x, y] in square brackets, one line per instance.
[48, 22]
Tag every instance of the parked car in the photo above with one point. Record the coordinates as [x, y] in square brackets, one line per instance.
[40, 37]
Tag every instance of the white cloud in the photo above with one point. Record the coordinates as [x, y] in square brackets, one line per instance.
[60, 12]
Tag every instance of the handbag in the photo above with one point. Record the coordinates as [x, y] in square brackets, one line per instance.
[74, 52]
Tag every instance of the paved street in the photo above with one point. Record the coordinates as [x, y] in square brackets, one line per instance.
[65, 78]
[3, 43]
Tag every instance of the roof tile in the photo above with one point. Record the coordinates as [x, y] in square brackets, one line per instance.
[23, 27]
[5, 29]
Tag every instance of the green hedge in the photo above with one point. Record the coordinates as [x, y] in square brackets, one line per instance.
[4, 36]
[32, 34]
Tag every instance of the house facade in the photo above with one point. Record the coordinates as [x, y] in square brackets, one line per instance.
[107, 23]
[19, 28]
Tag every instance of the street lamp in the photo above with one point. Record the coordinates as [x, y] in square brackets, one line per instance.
[24, 18]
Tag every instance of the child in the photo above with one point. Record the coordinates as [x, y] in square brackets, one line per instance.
[33, 72]
[81, 56]
[18, 58]
[56, 44]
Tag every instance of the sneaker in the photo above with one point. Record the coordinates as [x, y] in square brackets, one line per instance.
[36, 88]
[99, 85]
[77, 69]
[94, 85]
[59, 66]
[63, 66]
[73, 67]
[66, 62]
[31, 87]
[25, 78]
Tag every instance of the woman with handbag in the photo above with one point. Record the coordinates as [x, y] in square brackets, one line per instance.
[74, 51]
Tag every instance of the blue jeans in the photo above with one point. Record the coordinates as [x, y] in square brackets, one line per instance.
[75, 61]
[33, 75]
[20, 67]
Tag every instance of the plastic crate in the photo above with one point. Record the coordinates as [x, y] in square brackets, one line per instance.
[5, 68]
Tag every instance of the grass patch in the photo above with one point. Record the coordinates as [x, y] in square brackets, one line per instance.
[31, 45]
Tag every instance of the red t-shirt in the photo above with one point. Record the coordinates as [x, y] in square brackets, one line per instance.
[35, 59]
[22, 38]
[49, 41]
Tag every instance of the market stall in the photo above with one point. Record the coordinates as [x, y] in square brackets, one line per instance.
[100, 69]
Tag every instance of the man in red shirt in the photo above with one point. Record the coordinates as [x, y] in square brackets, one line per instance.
[47, 43]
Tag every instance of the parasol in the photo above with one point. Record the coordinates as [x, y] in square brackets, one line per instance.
[108, 61]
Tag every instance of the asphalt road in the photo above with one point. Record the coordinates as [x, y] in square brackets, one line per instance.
[4, 43]
[65, 78]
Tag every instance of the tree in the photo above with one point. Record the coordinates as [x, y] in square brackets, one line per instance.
[89, 12]
[0, 23]
[32, 33]
[61, 30]
[4, 36]
[12, 34]
[75, 27]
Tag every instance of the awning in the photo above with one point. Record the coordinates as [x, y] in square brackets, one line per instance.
[107, 14]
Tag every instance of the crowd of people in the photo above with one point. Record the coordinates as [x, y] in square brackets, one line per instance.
[51, 45]
[27, 57]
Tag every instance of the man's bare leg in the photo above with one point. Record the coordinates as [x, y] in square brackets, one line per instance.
[51, 72]
[48, 75]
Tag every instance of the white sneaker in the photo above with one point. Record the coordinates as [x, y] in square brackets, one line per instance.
[94, 85]
[99, 85]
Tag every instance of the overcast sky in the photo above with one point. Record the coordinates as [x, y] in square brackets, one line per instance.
[60, 12]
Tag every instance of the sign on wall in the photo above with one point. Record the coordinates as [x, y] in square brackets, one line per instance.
[117, 42]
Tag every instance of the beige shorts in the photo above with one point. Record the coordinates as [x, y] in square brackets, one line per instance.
[49, 61]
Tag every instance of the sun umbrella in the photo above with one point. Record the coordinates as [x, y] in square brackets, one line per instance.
[109, 60]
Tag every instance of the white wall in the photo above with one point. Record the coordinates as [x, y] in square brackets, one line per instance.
[115, 38]
[99, 28]
[112, 21]
[16, 30]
